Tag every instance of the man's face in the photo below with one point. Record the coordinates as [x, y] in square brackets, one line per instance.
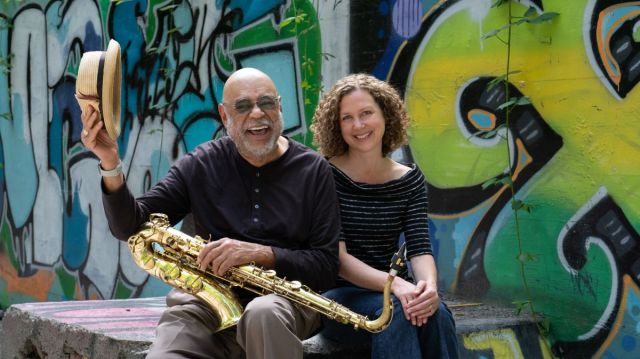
[254, 125]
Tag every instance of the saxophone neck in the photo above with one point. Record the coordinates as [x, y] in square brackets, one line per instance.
[397, 263]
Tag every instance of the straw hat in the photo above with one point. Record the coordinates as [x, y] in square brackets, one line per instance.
[98, 85]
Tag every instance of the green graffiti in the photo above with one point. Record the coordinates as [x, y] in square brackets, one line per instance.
[122, 290]
[6, 240]
[67, 282]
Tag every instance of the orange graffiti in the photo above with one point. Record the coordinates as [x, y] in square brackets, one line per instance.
[36, 286]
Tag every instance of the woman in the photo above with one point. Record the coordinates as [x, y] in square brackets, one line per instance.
[357, 124]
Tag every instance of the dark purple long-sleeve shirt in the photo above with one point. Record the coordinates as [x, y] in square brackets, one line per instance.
[289, 204]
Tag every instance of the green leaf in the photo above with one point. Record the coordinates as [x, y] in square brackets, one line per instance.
[154, 130]
[501, 79]
[6, 63]
[505, 180]
[521, 305]
[300, 17]
[489, 182]
[166, 71]
[491, 33]
[5, 24]
[153, 50]
[171, 31]
[516, 204]
[546, 327]
[305, 31]
[286, 22]
[496, 81]
[159, 106]
[307, 64]
[504, 27]
[546, 16]
[636, 34]
[508, 103]
[6, 115]
[515, 101]
[488, 134]
[530, 12]
[520, 21]
[327, 55]
[168, 7]
[524, 100]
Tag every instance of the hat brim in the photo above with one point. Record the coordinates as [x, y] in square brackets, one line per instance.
[110, 97]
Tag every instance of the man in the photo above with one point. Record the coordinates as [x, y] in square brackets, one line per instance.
[261, 197]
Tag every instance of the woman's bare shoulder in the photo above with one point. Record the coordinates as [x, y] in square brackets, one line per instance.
[398, 169]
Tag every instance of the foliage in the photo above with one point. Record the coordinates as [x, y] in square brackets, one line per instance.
[534, 17]
[5, 63]
[300, 25]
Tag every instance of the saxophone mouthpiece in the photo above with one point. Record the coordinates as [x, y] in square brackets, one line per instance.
[398, 260]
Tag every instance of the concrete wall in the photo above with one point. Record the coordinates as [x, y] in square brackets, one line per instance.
[573, 151]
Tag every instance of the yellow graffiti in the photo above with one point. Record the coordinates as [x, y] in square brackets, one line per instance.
[544, 349]
[503, 343]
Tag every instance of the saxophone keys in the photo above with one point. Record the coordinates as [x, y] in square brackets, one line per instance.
[147, 263]
[270, 273]
[173, 242]
[295, 285]
[193, 285]
[159, 219]
[170, 273]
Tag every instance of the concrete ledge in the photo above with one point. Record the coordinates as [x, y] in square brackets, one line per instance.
[125, 328]
[91, 329]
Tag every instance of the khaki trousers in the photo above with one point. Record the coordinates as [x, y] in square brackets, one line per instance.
[270, 327]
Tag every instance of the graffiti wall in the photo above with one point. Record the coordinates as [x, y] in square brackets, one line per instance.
[571, 152]
[568, 156]
[176, 56]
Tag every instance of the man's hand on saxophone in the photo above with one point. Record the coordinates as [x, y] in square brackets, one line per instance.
[225, 253]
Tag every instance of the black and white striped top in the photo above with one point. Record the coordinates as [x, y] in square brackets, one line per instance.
[373, 217]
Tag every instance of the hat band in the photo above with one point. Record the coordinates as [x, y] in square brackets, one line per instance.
[99, 81]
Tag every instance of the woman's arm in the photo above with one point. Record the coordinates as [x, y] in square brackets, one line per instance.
[361, 274]
[426, 300]
[358, 272]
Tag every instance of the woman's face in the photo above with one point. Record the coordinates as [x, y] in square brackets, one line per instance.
[361, 122]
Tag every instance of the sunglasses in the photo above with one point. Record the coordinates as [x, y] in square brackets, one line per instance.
[265, 103]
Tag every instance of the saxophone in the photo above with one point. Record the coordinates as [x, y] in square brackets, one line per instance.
[170, 255]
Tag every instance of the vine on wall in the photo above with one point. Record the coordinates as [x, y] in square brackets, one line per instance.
[5, 62]
[504, 34]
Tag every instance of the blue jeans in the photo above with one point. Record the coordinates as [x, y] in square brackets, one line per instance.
[436, 339]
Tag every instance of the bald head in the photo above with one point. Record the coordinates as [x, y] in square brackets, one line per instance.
[251, 113]
[247, 80]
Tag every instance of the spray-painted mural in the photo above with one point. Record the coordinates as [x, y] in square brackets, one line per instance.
[176, 56]
[572, 154]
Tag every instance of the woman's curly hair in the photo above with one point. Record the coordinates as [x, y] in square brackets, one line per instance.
[326, 120]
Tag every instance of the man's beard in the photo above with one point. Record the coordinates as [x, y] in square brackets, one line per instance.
[245, 148]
